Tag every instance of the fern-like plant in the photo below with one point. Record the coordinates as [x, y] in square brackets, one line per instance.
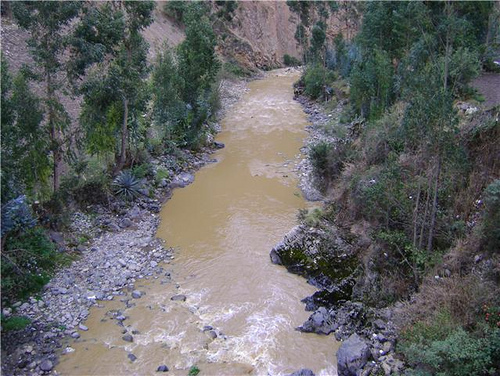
[126, 185]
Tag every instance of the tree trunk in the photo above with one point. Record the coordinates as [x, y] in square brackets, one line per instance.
[434, 205]
[123, 151]
[415, 216]
[55, 134]
[422, 229]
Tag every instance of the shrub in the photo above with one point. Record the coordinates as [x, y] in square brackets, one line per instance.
[235, 70]
[93, 192]
[327, 161]
[16, 216]
[161, 174]
[437, 350]
[491, 219]
[316, 78]
[311, 218]
[290, 61]
[15, 323]
[127, 186]
[142, 170]
[193, 371]
[27, 263]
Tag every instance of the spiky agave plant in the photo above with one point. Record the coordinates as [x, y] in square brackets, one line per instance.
[127, 185]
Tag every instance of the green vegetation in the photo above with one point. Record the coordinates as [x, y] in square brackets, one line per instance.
[28, 260]
[131, 110]
[491, 220]
[417, 172]
[184, 81]
[441, 348]
[15, 323]
[290, 61]
[193, 371]
[127, 185]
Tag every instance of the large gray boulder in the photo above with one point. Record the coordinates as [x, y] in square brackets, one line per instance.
[352, 356]
[321, 322]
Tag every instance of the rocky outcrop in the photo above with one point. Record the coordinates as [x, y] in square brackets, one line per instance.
[352, 356]
[321, 256]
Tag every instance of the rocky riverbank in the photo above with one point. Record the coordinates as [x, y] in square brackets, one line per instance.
[327, 256]
[121, 250]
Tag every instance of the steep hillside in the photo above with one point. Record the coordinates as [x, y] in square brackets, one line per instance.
[262, 32]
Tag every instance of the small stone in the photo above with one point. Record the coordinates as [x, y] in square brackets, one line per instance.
[181, 298]
[212, 334]
[83, 327]
[75, 335]
[7, 312]
[162, 368]
[207, 328]
[81, 248]
[153, 264]
[24, 306]
[128, 338]
[136, 294]
[132, 357]
[303, 372]
[126, 222]
[46, 366]
[121, 318]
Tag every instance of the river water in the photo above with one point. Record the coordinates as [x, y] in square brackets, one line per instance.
[223, 227]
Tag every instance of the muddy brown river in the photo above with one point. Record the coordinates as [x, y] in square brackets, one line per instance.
[223, 227]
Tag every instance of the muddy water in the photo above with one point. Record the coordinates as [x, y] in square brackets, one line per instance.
[223, 226]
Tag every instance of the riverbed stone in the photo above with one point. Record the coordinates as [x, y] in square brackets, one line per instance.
[212, 334]
[136, 294]
[162, 368]
[132, 357]
[46, 365]
[352, 355]
[303, 372]
[128, 338]
[180, 297]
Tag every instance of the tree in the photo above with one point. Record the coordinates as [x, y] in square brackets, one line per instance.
[197, 66]
[25, 140]
[115, 92]
[318, 38]
[47, 24]
[167, 87]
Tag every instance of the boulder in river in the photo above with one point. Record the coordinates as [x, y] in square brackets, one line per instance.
[352, 355]
[320, 322]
